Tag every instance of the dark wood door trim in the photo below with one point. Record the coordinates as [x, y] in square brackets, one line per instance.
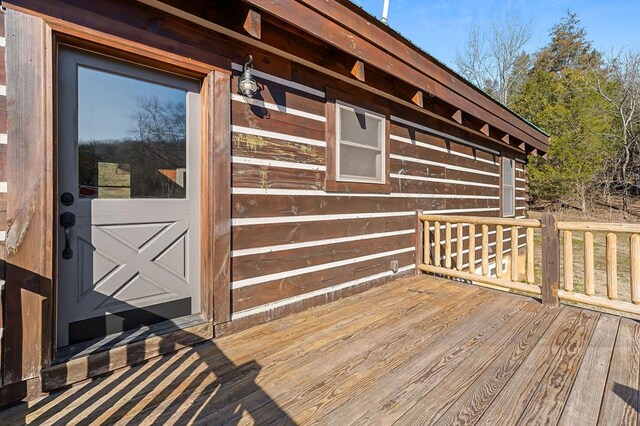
[29, 239]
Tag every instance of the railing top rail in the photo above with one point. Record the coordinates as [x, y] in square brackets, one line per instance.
[482, 220]
[628, 228]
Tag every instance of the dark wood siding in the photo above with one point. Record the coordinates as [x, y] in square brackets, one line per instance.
[292, 241]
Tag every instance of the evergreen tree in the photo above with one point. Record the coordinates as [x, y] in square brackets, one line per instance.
[559, 94]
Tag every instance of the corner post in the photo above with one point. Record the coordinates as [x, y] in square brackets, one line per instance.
[418, 241]
[550, 260]
[218, 239]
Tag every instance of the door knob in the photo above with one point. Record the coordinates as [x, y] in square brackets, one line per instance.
[67, 220]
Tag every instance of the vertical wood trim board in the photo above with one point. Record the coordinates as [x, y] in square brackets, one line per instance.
[220, 124]
[3, 134]
[29, 237]
[207, 202]
[3, 182]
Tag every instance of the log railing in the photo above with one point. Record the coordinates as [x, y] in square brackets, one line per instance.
[475, 248]
[480, 257]
[603, 284]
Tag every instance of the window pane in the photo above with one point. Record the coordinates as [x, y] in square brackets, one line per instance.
[359, 162]
[508, 191]
[507, 202]
[360, 128]
[508, 171]
[131, 137]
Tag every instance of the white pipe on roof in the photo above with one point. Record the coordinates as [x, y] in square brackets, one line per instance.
[385, 11]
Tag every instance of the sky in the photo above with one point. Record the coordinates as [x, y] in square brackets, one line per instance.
[440, 26]
[106, 103]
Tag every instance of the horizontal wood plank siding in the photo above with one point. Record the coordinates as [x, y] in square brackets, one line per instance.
[245, 236]
[271, 291]
[245, 267]
[290, 238]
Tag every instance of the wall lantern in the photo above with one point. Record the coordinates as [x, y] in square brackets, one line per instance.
[247, 85]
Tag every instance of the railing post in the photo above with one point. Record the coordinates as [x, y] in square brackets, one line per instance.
[418, 241]
[550, 260]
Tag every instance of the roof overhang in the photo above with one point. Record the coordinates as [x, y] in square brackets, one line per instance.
[351, 31]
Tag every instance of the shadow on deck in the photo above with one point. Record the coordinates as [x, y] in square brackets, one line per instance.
[418, 350]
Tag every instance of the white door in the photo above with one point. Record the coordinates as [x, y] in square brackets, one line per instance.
[128, 196]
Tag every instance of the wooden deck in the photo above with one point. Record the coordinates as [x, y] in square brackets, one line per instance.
[421, 350]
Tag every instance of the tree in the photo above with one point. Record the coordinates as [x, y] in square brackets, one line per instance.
[155, 121]
[568, 49]
[620, 87]
[559, 95]
[495, 62]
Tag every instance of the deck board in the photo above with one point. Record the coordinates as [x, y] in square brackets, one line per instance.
[583, 404]
[420, 350]
[620, 402]
[548, 400]
[471, 405]
[512, 400]
[296, 350]
[434, 403]
[356, 350]
[347, 381]
[428, 368]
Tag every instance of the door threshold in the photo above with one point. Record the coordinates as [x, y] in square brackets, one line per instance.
[102, 344]
[80, 367]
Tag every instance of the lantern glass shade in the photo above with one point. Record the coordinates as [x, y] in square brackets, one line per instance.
[247, 84]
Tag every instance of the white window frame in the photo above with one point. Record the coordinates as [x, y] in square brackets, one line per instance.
[382, 146]
[505, 185]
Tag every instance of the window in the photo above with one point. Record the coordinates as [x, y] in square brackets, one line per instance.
[508, 187]
[357, 146]
[360, 148]
[131, 131]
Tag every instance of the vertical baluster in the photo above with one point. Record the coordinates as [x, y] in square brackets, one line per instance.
[531, 272]
[426, 244]
[612, 266]
[634, 259]
[589, 284]
[447, 245]
[485, 250]
[568, 260]
[514, 253]
[472, 248]
[436, 244]
[459, 241]
[499, 250]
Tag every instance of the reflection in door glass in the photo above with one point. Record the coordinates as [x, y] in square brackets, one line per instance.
[131, 137]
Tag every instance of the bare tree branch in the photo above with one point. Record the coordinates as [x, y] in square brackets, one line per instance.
[620, 87]
[493, 61]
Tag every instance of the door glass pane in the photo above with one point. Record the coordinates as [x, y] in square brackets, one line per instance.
[359, 162]
[131, 137]
[360, 128]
